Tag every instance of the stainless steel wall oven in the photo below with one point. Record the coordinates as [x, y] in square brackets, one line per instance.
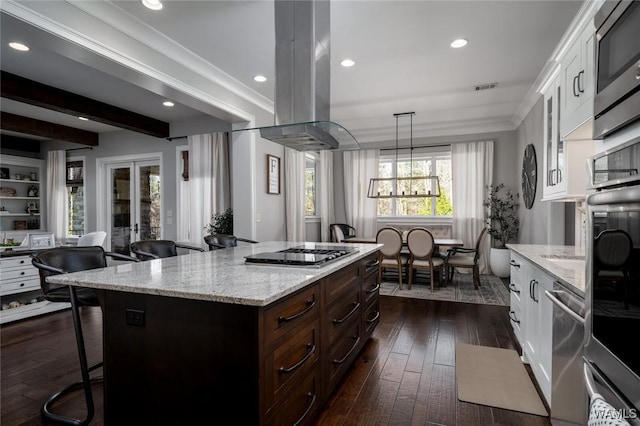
[613, 278]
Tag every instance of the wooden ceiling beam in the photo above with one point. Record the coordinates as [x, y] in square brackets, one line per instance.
[31, 92]
[31, 126]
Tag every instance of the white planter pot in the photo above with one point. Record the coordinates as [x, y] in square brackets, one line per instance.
[499, 262]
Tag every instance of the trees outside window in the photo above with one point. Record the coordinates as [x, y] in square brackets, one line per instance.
[424, 164]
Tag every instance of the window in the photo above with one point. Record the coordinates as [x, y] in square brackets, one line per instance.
[75, 197]
[310, 185]
[424, 163]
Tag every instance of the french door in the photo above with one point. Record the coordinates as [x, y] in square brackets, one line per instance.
[133, 203]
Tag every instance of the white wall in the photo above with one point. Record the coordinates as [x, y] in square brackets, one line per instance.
[505, 153]
[122, 143]
[535, 222]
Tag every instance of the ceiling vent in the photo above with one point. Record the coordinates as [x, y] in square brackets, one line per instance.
[486, 86]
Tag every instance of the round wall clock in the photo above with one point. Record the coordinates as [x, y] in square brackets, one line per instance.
[529, 175]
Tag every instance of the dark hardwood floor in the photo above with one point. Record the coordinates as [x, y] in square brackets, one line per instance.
[405, 374]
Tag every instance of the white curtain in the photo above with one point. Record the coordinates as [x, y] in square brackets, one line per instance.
[294, 178]
[472, 169]
[57, 209]
[209, 182]
[362, 212]
[324, 181]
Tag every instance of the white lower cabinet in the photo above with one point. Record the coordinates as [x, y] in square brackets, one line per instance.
[20, 290]
[534, 326]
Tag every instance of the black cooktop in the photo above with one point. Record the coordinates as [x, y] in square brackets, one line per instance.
[301, 256]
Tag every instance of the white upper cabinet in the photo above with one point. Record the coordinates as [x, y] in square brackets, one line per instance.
[577, 86]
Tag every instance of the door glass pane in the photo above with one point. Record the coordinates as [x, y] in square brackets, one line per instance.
[121, 210]
[149, 207]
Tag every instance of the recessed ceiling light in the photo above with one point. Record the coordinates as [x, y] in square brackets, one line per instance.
[347, 63]
[260, 78]
[152, 4]
[19, 46]
[168, 103]
[461, 42]
[83, 118]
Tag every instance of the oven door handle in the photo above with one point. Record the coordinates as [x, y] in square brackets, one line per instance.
[564, 307]
[588, 380]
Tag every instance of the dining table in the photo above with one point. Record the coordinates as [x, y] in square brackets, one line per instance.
[437, 242]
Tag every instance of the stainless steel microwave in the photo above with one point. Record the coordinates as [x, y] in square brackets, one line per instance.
[617, 61]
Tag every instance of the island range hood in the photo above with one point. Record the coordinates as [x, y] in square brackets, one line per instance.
[302, 85]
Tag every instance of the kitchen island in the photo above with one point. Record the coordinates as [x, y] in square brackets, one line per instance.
[205, 336]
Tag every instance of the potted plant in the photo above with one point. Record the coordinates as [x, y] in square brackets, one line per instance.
[221, 223]
[502, 218]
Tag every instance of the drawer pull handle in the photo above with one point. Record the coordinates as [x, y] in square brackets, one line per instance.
[513, 263]
[512, 287]
[373, 263]
[310, 304]
[373, 290]
[311, 348]
[513, 317]
[375, 318]
[312, 401]
[355, 345]
[356, 305]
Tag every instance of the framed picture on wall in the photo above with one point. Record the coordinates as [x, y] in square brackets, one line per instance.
[40, 241]
[273, 174]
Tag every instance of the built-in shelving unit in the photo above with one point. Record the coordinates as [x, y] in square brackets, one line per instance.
[20, 194]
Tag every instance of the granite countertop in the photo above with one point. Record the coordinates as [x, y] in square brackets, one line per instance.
[218, 275]
[566, 263]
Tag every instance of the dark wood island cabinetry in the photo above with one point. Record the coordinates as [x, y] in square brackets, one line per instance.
[173, 359]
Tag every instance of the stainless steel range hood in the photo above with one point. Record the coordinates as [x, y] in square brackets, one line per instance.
[302, 86]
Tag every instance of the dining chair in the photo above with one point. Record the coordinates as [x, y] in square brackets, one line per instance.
[421, 248]
[337, 234]
[347, 231]
[466, 258]
[611, 250]
[62, 260]
[221, 241]
[157, 249]
[92, 239]
[390, 256]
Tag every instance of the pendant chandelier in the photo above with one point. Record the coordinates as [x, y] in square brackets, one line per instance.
[404, 187]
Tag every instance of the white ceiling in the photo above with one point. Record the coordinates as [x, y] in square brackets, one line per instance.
[401, 49]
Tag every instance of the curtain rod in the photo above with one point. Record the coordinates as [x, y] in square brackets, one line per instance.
[176, 137]
[421, 146]
[77, 149]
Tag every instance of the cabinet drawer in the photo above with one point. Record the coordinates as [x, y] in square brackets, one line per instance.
[341, 353]
[291, 360]
[19, 273]
[342, 313]
[370, 264]
[371, 317]
[19, 285]
[15, 262]
[370, 288]
[301, 406]
[335, 285]
[288, 314]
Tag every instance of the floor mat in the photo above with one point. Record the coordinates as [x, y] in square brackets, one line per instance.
[495, 377]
